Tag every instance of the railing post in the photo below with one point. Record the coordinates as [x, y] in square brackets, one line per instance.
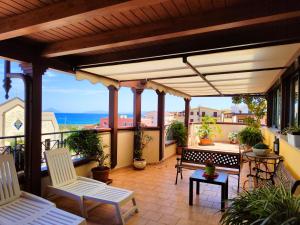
[113, 124]
[161, 122]
[62, 142]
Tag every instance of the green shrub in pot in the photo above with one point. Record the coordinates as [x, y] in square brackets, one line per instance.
[261, 149]
[250, 136]
[269, 205]
[208, 130]
[178, 132]
[89, 144]
[293, 135]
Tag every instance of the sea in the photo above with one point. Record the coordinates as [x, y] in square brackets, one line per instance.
[82, 118]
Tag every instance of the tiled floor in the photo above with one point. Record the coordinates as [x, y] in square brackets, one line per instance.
[159, 200]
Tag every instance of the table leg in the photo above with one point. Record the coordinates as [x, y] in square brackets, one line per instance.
[191, 192]
[226, 193]
[223, 193]
[197, 188]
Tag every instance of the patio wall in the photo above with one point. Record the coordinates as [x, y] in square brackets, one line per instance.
[151, 151]
[169, 150]
[226, 128]
[290, 154]
[125, 148]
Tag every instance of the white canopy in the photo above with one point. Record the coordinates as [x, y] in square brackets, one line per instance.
[249, 71]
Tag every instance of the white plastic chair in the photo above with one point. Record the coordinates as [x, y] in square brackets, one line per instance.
[18, 207]
[66, 183]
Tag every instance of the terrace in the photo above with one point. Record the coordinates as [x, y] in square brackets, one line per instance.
[184, 48]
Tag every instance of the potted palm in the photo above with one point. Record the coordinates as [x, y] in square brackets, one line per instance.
[207, 130]
[88, 144]
[293, 135]
[141, 140]
[177, 131]
[269, 205]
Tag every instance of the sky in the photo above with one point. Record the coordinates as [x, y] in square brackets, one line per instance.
[64, 93]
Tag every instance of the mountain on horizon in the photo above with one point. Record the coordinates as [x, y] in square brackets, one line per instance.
[51, 110]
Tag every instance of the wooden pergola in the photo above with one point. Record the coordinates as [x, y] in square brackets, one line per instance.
[73, 36]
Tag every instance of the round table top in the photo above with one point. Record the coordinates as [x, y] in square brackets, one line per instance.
[271, 155]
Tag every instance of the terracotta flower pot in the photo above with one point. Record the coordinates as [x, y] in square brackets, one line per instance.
[205, 141]
[101, 173]
[179, 150]
[139, 164]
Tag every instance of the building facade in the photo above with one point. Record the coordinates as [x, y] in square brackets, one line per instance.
[12, 121]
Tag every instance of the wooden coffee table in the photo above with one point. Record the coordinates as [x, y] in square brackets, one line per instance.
[221, 180]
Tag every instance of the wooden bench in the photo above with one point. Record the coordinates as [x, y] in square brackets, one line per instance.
[195, 158]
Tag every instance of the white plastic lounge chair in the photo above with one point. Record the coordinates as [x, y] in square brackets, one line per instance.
[18, 207]
[66, 183]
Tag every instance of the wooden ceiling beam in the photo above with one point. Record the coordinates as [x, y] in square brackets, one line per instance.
[223, 19]
[16, 50]
[220, 41]
[63, 13]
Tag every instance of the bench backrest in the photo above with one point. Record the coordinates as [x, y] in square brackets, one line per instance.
[60, 167]
[9, 184]
[220, 159]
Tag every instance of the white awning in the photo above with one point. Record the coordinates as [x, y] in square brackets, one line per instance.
[249, 71]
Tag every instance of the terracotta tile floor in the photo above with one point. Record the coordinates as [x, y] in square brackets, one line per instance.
[159, 200]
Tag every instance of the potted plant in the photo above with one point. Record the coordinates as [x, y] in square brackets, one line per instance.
[233, 137]
[207, 130]
[269, 205]
[250, 136]
[141, 140]
[89, 145]
[177, 131]
[209, 169]
[293, 135]
[261, 149]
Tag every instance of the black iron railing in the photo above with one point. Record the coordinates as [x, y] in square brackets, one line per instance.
[15, 145]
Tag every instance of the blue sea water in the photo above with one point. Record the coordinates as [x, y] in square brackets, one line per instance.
[81, 118]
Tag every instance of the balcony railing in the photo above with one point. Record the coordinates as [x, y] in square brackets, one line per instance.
[15, 145]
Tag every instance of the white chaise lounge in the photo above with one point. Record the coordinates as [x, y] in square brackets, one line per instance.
[19, 208]
[66, 183]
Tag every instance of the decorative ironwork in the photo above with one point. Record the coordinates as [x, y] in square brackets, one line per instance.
[194, 157]
[221, 159]
[7, 80]
[16, 146]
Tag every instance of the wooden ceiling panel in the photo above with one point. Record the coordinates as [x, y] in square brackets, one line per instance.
[206, 5]
[219, 4]
[16, 7]
[150, 13]
[123, 18]
[182, 7]
[171, 8]
[194, 5]
[161, 11]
